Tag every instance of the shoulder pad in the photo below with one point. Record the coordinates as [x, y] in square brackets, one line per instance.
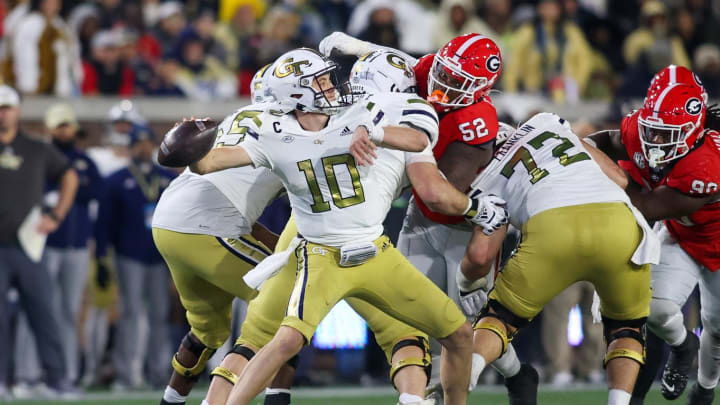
[698, 172]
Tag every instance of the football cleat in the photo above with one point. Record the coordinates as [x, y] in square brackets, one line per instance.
[675, 374]
[523, 386]
[700, 396]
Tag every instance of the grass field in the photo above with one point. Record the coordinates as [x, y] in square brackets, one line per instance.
[358, 396]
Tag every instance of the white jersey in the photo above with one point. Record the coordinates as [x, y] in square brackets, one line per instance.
[225, 203]
[335, 201]
[544, 165]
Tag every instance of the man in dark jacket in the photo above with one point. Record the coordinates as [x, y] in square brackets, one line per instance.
[26, 167]
[66, 256]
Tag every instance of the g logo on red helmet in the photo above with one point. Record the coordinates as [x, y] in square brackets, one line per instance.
[493, 63]
[693, 106]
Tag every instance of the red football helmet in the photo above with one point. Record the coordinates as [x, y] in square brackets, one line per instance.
[671, 122]
[464, 70]
[674, 74]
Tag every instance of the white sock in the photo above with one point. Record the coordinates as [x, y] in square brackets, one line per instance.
[618, 397]
[478, 365]
[271, 391]
[172, 396]
[406, 398]
[205, 402]
[508, 364]
[709, 360]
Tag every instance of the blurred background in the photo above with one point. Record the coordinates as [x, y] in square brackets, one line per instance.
[123, 68]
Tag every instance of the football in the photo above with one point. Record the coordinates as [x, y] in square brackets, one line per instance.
[187, 142]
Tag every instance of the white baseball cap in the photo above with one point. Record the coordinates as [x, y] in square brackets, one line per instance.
[9, 97]
[59, 114]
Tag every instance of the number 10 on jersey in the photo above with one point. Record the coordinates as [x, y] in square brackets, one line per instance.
[320, 204]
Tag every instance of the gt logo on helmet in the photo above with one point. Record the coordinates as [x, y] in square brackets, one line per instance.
[398, 62]
[288, 67]
[693, 106]
[493, 63]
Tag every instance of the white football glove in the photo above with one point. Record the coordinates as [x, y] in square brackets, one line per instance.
[474, 294]
[344, 43]
[486, 211]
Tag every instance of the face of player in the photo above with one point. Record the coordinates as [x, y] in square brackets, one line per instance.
[660, 142]
[325, 85]
[448, 87]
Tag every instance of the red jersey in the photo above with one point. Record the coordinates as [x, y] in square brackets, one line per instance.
[697, 174]
[475, 124]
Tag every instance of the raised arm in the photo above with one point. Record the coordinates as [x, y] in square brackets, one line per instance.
[350, 45]
[222, 158]
[365, 143]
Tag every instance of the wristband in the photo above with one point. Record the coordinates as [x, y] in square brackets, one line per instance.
[52, 215]
[472, 208]
[376, 134]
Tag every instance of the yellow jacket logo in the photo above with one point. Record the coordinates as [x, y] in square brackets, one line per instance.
[288, 67]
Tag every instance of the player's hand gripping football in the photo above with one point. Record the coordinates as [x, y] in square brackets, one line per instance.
[487, 211]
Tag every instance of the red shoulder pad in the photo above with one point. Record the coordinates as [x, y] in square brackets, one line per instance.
[475, 124]
[698, 173]
[629, 130]
[422, 71]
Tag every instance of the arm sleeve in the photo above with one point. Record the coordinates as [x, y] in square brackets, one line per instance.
[256, 151]
[419, 114]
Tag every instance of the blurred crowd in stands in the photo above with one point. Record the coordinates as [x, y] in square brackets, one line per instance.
[205, 49]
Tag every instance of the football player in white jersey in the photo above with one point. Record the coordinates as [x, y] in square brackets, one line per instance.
[576, 225]
[339, 208]
[435, 243]
[406, 348]
[206, 251]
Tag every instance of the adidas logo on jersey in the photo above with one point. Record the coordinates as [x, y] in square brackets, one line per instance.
[346, 131]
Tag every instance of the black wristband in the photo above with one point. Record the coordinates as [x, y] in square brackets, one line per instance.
[52, 215]
[473, 210]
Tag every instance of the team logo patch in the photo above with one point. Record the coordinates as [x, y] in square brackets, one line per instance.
[288, 138]
[493, 63]
[289, 66]
[639, 160]
[693, 106]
